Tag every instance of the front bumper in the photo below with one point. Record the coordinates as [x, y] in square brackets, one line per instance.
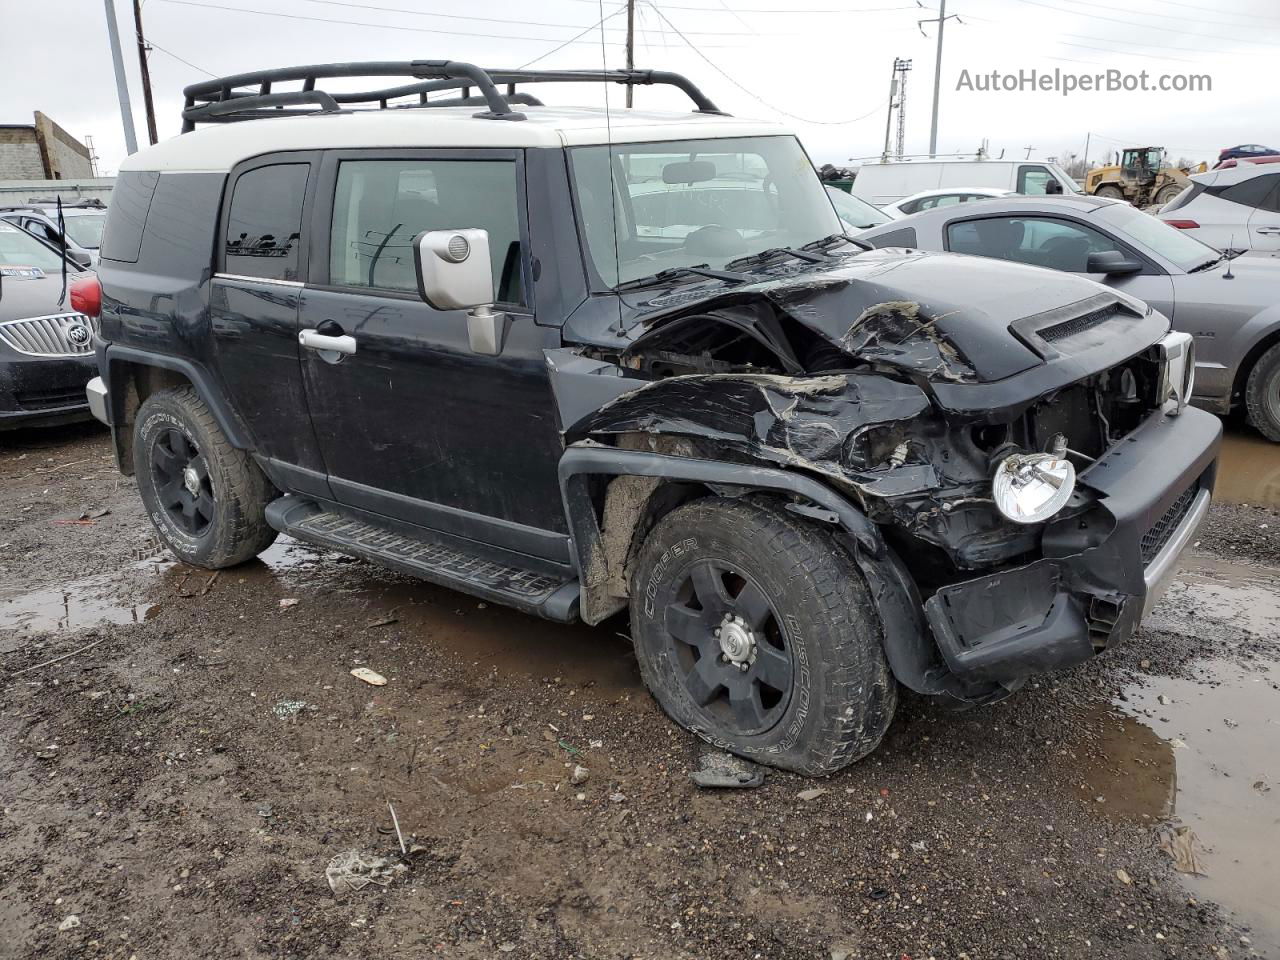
[1101, 571]
[40, 391]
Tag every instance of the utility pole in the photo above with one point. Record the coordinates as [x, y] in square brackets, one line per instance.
[941, 21]
[122, 85]
[897, 100]
[631, 44]
[146, 73]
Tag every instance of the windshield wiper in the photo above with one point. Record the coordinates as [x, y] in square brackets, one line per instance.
[1207, 264]
[678, 273]
[773, 253]
[837, 238]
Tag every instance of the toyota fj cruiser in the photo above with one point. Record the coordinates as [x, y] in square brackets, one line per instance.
[582, 362]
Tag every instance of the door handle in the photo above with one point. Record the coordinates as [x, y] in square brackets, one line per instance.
[314, 340]
[1267, 230]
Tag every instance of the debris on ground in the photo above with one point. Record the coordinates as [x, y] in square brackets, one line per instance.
[1123, 876]
[369, 676]
[70, 923]
[1180, 844]
[352, 871]
[813, 793]
[382, 622]
[724, 770]
[289, 709]
[288, 602]
[580, 774]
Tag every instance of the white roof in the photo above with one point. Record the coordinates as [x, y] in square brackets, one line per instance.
[219, 147]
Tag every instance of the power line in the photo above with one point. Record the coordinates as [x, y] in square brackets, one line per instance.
[1213, 23]
[1126, 53]
[459, 16]
[170, 53]
[716, 67]
[388, 26]
[825, 11]
[1131, 23]
[599, 23]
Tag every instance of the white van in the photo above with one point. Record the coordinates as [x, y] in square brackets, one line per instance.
[881, 183]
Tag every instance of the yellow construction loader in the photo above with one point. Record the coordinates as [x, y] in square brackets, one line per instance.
[1141, 178]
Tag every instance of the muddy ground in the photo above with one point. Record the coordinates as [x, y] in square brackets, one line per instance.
[180, 784]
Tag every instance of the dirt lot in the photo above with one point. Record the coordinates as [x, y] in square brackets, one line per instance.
[180, 784]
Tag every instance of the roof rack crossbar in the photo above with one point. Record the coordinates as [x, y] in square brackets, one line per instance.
[219, 100]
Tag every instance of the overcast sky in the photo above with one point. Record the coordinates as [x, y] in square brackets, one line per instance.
[797, 61]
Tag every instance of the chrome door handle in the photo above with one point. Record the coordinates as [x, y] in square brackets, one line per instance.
[1267, 230]
[313, 340]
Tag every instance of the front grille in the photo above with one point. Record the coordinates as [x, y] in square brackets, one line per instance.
[1153, 540]
[1076, 325]
[60, 335]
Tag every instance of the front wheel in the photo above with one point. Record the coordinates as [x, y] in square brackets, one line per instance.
[205, 497]
[755, 630]
[1262, 394]
[1109, 191]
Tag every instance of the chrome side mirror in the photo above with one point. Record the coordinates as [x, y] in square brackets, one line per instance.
[455, 273]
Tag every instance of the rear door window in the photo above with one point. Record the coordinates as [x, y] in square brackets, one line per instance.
[127, 215]
[1253, 192]
[264, 222]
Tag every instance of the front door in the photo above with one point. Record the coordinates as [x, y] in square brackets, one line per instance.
[413, 425]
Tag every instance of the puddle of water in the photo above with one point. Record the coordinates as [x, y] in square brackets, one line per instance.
[1203, 750]
[1250, 469]
[69, 606]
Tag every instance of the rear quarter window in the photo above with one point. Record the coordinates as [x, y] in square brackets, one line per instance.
[127, 215]
[903, 237]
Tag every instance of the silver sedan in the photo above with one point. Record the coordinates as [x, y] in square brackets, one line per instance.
[1231, 307]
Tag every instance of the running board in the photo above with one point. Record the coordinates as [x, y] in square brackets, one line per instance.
[552, 597]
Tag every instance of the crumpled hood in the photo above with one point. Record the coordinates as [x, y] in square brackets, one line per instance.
[944, 316]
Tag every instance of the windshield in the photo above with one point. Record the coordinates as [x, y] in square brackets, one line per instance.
[20, 249]
[690, 202]
[856, 214]
[84, 228]
[1151, 232]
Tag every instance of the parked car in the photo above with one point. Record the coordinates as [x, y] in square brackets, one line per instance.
[46, 350]
[1234, 209]
[1232, 308]
[887, 183]
[928, 199]
[855, 214]
[808, 470]
[1242, 151]
[83, 219]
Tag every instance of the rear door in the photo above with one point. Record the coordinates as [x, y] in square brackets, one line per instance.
[1264, 221]
[254, 295]
[413, 425]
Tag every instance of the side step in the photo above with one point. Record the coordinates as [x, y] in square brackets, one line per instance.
[538, 593]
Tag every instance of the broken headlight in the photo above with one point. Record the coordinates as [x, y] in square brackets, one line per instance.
[1176, 354]
[1032, 487]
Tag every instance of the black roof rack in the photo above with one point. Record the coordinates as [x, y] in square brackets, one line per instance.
[221, 100]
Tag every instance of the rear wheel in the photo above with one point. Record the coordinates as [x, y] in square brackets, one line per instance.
[1167, 193]
[755, 630]
[1109, 191]
[1262, 394]
[205, 497]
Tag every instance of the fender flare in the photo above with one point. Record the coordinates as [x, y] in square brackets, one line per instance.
[908, 643]
[111, 365]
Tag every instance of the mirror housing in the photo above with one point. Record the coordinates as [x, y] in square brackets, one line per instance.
[455, 273]
[1111, 262]
[81, 258]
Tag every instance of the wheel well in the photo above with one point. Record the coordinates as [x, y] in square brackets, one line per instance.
[1248, 363]
[131, 384]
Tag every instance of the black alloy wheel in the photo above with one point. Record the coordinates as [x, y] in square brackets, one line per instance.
[725, 636]
[182, 485]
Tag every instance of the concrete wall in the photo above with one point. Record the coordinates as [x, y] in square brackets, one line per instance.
[65, 157]
[21, 191]
[20, 157]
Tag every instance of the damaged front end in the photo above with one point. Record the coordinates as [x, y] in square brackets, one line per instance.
[907, 407]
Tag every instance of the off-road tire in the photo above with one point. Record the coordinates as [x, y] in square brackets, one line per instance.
[238, 490]
[1167, 193]
[1262, 394]
[1109, 191]
[842, 695]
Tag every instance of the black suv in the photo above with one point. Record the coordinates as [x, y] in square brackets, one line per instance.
[582, 363]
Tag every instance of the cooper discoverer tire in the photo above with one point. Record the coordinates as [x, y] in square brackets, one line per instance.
[756, 631]
[205, 497]
[1262, 394]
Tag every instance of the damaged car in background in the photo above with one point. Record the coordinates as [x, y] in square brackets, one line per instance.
[645, 371]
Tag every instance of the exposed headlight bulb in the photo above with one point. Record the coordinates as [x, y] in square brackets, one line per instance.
[1032, 487]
